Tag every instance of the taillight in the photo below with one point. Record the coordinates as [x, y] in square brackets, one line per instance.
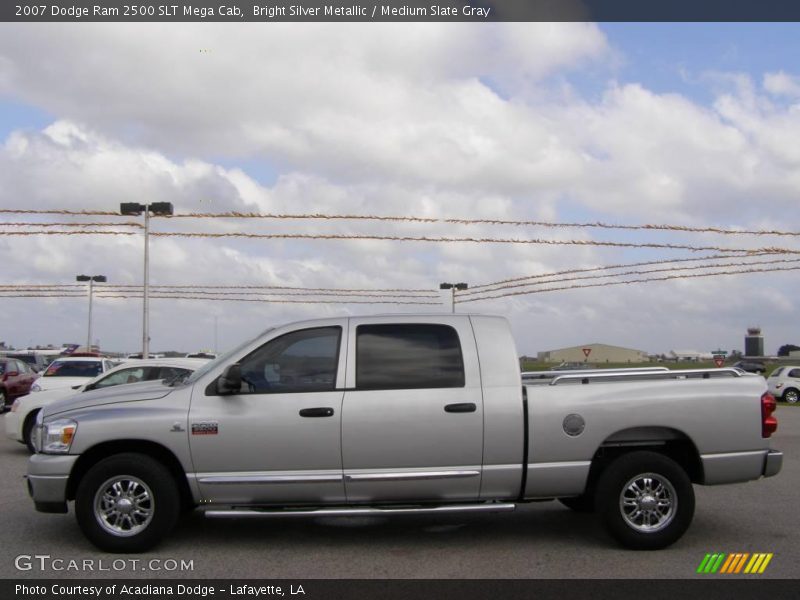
[768, 423]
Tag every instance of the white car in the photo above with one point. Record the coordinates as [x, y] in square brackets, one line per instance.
[71, 371]
[21, 418]
[784, 384]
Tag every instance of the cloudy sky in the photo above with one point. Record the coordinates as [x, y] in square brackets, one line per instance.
[693, 125]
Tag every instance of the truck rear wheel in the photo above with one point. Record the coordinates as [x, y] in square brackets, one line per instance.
[127, 503]
[646, 500]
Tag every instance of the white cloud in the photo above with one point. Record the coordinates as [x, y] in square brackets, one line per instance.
[782, 84]
[436, 120]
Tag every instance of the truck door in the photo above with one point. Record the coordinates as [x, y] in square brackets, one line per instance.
[412, 424]
[279, 439]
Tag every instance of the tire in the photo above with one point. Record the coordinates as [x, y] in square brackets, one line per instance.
[141, 501]
[645, 500]
[2, 400]
[582, 504]
[27, 430]
[791, 396]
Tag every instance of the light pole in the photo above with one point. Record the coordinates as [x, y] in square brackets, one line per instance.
[453, 287]
[91, 279]
[159, 209]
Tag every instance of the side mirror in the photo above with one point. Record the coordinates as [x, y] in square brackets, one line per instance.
[230, 382]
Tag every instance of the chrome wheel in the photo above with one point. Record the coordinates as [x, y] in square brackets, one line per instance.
[790, 396]
[123, 505]
[648, 502]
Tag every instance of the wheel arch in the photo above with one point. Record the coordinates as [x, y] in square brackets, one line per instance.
[790, 388]
[668, 441]
[95, 454]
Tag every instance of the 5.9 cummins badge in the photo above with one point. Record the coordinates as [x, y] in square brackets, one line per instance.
[205, 428]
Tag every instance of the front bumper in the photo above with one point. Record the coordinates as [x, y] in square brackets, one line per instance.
[48, 475]
[12, 426]
[773, 463]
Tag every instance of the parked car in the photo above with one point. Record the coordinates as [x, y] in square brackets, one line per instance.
[37, 362]
[202, 354]
[16, 379]
[20, 421]
[397, 414]
[784, 384]
[751, 366]
[574, 366]
[71, 371]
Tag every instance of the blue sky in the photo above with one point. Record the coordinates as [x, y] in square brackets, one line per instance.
[659, 55]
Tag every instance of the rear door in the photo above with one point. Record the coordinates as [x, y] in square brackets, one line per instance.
[412, 424]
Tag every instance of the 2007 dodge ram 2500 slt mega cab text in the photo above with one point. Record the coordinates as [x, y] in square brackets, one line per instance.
[396, 414]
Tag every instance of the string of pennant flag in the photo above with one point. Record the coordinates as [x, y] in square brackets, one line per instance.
[726, 261]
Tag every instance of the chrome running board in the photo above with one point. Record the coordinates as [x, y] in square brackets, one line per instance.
[360, 511]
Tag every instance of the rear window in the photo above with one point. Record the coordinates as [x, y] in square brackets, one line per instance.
[408, 356]
[74, 368]
[776, 372]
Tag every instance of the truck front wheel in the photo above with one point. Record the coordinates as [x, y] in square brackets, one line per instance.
[127, 503]
[646, 500]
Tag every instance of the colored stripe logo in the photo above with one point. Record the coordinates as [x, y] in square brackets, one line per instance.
[735, 564]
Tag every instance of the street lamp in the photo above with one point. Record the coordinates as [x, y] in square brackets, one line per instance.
[453, 287]
[91, 279]
[159, 209]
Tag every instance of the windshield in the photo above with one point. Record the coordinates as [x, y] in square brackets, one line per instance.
[74, 368]
[223, 358]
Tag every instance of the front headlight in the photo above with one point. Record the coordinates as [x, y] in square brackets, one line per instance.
[57, 436]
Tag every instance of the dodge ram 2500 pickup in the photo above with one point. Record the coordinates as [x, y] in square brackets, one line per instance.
[398, 414]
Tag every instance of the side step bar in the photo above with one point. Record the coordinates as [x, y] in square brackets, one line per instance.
[360, 511]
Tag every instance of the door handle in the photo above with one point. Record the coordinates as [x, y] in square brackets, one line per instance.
[462, 407]
[324, 411]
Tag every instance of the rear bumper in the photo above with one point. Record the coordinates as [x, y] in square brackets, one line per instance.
[773, 463]
[736, 467]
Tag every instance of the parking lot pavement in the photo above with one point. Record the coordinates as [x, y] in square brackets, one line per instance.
[540, 540]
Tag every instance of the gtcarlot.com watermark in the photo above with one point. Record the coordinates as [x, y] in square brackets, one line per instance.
[45, 562]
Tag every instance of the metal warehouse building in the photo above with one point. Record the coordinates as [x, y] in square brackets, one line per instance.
[597, 353]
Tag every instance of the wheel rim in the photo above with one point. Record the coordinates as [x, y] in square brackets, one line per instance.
[123, 505]
[791, 396]
[648, 502]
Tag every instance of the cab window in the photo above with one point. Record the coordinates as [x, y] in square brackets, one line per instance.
[408, 356]
[300, 361]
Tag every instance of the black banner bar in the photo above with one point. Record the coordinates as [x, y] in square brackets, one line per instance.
[320, 589]
[400, 10]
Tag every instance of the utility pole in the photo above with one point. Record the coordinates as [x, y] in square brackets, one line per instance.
[158, 209]
[91, 279]
[453, 287]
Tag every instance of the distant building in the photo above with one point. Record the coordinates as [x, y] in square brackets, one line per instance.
[597, 353]
[689, 355]
[754, 342]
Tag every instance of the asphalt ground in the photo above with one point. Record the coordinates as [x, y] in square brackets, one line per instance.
[540, 540]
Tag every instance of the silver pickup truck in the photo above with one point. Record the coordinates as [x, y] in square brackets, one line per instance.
[398, 414]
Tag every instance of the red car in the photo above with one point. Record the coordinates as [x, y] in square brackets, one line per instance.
[16, 379]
